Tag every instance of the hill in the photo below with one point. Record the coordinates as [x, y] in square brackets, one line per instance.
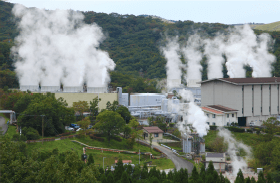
[275, 26]
[132, 42]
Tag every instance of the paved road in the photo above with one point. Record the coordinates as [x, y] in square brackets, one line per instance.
[178, 162]
[3, 124]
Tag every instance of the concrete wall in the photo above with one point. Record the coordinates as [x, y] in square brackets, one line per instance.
[75, 97]
[256, 102]
[222, 120]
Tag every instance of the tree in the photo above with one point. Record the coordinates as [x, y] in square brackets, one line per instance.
[272, 126]
[84, 123]
[90, 159]
[239, 178]
[113, 106]
[127, 132]
[81, 107]
[125, 178]
[118, 170]
[133, 123]
[124, 112]
[94, 107]
[110, 123]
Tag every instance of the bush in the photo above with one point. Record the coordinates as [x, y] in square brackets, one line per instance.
[171, 125]
[117, 139]
[30, 133]
[249, 130]
[213, 127]
[234, 129]
[18, 137]
[96, 138]
[277, 133]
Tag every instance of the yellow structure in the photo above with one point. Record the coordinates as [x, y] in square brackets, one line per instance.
[75, 97]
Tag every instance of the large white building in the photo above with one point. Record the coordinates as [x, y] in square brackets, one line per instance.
[256, 99]
[220, 115]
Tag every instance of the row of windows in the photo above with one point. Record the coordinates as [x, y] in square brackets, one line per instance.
[214, 115]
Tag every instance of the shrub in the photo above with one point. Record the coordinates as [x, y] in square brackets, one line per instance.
[213, 127]
[277, 133]
[249, 130]
[30, 133]
[171, 125]
[18, 137]
[234, 129]
[117, 139]
[96, 138]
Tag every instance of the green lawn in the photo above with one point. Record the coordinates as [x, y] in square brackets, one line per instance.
[11, 131]
[111, 157]
[68, 145]
[113, 144]
[275, 26]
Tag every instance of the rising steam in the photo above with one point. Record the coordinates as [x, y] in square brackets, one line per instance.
[56, 47]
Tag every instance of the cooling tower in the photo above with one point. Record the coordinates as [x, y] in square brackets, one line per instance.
[29, 87]
[50, 88]
[73, 89]
[97, 89]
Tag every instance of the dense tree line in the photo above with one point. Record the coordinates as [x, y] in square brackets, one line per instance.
[17, 165]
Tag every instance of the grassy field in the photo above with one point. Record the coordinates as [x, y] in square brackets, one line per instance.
[111, 157]
[275, 26]
[176, 146]
[117, 145]
[11, 131]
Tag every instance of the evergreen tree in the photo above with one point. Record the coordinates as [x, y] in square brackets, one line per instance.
[170, 175]
[239, 177]
[90, 159]
[125, 178]
[202, 172]
[110, 178]
[248, 180]
[269, 178]
[103, 178]
[163, 175]
[261, 178]
[154, 180]
[253, 180]
[136, 173]
[119, 169]
[194, 175]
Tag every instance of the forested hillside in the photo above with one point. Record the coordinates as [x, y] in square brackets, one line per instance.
[132, 42]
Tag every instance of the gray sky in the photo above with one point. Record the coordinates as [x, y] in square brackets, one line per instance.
[228, 12]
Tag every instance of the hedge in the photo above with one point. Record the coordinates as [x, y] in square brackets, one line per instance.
[213, 127]
[234, 129]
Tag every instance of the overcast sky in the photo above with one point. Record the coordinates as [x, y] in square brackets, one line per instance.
[227, 12]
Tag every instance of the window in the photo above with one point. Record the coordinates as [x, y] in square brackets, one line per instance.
[213, 115]
[214, 124]
[146, 135]
[208, 123]
[227, 115]
[156, 134]
[232, 115]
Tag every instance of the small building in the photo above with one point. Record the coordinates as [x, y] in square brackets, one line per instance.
[218, 159]
[154, 131]
[219, 115]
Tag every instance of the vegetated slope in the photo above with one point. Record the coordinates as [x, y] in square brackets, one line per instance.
[275, 26]
[132, 42]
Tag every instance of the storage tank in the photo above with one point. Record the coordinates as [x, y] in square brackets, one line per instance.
[202, 147]
[164, 105]
[29, 87]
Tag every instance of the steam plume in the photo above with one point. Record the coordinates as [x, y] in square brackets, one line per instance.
[56, 46]
[174, 64]
[193, 57]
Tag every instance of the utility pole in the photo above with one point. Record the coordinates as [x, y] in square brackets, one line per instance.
[42, 129]
[139, 157]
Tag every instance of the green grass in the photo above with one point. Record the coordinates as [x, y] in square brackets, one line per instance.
[61, 145]
[111, 157]
[11, 131]
[275, 26]
[68, 145]
[176, 146]
[113, 144]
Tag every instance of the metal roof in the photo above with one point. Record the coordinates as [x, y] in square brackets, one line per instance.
[222, 108]
[215, 155]
[241, 81]
[153, 129]
[211, 110]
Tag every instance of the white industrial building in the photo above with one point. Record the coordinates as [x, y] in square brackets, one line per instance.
[255, 99]
[220, 115]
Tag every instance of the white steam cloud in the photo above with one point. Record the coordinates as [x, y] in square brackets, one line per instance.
[193, 57]
[56, 47]
[237, 162]
[174, 64]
